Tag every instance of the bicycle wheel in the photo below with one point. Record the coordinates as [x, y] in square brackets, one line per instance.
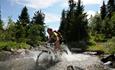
[44, 58]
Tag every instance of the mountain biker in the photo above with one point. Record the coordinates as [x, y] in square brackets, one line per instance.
[54, 38]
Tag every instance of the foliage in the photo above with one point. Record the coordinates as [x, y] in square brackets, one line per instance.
[113, 23]
[10, 44]
[19, 34]
[22, 25]
[99, 38]
[110, 7]
[103, 11]
[1, 24]
[74, 23]
[111, 46]
[95, 24]
[38, 23]
[107, 47]
[34, 35]
[24, 17]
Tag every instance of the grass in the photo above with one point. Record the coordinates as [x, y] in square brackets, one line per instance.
[106, 47]
[14, 45]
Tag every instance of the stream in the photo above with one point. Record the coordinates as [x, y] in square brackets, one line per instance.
[28, 60]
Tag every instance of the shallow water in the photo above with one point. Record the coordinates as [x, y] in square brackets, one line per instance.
[29, 62]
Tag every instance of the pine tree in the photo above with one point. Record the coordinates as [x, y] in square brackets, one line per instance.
[38, 20]
[74, 23]
[1, 22]
[103, 11]
[72, 5]
[22, 26]
[24, 17]
[111, 7]
[79, 8]
[10, 31]
[63, 22]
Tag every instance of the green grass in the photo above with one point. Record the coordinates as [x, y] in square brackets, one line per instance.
[14, 45]
[106, 47]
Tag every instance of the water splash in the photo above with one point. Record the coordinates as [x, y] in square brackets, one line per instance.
[32, 54]
[73, 57]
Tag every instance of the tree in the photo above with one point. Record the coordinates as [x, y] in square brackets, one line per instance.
[111, 7]
[24, 17]
[1, 30]
[107, 27]
[1, 24]
[22, 25]
[10, 30]
[74, 23]
[38, 20]
[103, 11]
[113, 23]
[72, 5]
[96, 24]
[63, 22]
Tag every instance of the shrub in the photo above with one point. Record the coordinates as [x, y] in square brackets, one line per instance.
[111, 46]
[107, 47]
[14, 45]
[99, 38]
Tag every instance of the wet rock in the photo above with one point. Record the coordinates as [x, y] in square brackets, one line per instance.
[70, 67]
[109, 60]
[18, 64]
[5, 55]
[94, 52]
[90, 53]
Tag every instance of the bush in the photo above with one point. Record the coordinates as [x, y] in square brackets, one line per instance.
[97, 48]
[14, 45]
[111, 46]
[99, 38]
[107, 47]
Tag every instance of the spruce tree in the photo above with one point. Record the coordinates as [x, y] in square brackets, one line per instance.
[62, 23]
[24, 17]
[103, 11]
[22, 26]
[111, 7]
[38, 20]
[75, 22]
[1, 22]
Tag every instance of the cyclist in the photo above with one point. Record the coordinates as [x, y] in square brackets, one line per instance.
[54, 38]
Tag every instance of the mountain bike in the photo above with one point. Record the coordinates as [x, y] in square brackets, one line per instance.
[53, 56]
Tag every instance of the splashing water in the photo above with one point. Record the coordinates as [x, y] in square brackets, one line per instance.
[73, 57]
[69, 58]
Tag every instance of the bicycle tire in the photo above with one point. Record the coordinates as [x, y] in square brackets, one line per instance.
[40, 54]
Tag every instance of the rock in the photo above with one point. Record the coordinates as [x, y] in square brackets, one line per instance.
[18, 64]
[90, 53]
[94, 52]
[70, 67]
[5, 55]
[109, 60]
[108, 63]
